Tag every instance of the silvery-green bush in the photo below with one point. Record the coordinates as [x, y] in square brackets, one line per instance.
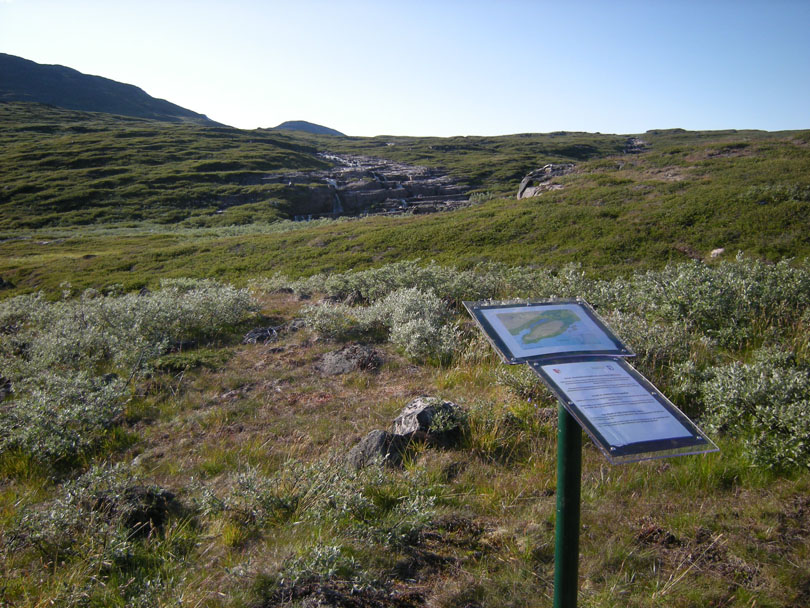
[333, 493]
[728, 302]
[94, 329]
[417, 321]
[58, 355]
[766, 403]
[58, 417]
[71, 525]
[368, 286]
[659, 345]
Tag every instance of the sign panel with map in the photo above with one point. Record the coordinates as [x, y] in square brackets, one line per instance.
[535, 330]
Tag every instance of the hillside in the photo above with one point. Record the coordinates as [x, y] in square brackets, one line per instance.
[306, 127]
[168, 192]
[63, 87]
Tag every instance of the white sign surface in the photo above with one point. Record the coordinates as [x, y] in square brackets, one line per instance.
[620, 409]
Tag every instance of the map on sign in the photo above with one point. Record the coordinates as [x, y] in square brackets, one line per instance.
[539, 329]
[533, 328]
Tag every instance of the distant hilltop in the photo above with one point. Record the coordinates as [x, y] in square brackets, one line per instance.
[307, 127]
[63, 87]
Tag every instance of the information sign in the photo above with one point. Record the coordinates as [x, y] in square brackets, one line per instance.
[625, 415]
[537, 330]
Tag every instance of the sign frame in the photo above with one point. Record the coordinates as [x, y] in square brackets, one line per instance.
[477, 311]
[696, 443]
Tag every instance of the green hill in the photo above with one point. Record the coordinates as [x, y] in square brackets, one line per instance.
[98, 168]
[306, 127]
[63, 87]
[171, 191]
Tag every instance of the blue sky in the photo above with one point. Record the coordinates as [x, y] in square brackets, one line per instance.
[442, 67]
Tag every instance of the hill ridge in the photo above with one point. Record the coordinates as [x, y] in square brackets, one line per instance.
[307, 127]
[64, 87]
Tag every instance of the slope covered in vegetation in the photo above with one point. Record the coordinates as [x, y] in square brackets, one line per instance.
[128, 201]
[63, 168]
[148, 458]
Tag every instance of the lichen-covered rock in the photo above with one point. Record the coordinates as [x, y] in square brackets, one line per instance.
[539, 180]
[260, 335]
[431, 419]
[348, 359]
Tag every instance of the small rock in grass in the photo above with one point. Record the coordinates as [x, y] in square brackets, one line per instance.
[431, 419]
[260, 335]
[348, 359]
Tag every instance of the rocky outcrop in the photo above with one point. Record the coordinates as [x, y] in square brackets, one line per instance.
[430, 419]
[635, 145]
[542, 180]
[361, 185]
[378, 446]
[261, 335]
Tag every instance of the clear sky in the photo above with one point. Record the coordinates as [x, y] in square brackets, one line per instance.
[441, 67]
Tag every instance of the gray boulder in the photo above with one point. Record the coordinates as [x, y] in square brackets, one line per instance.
[431, 419]
[261, 335]
[426, 420]
[348, 359]
[540, 180]
[378, 445]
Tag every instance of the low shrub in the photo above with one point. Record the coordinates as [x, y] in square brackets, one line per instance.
[57, 356]
[59, 417]
[764, 402]
[372, 503]
[416, 321]
[97, 517]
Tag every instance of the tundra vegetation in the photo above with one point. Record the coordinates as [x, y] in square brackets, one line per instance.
[151, 457]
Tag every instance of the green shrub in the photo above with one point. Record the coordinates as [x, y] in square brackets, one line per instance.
[122, 330]
[372, 503]
[59, 417]
[88, 519]
[55, 355]
[765, 403]
[416, 321]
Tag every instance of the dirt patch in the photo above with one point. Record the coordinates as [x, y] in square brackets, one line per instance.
[688, 251]
[794, 522]
[651, 534]
[341, 594]
[430, 551]
[730, 151]
[706, 552]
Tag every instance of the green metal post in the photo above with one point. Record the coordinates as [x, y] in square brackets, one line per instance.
[569, 474]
